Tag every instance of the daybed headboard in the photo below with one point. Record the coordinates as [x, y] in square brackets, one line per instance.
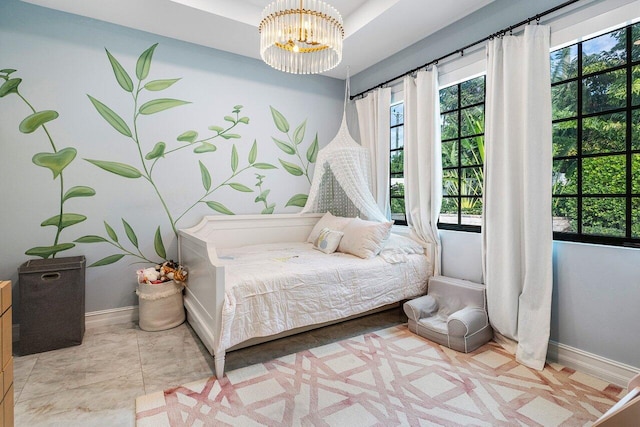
[230, 231]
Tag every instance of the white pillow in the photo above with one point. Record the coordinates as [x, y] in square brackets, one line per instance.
[328, 240]
[329, 221]
[364, 239]
[402, 244]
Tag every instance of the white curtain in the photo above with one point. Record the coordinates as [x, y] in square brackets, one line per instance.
[374, 119]
[423, 159]
[517, 223]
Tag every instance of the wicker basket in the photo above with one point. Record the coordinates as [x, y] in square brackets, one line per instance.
[160, 305]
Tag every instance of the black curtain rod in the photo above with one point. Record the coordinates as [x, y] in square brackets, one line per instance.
[462, 49]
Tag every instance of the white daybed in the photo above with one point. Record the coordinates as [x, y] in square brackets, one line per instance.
[317, 289]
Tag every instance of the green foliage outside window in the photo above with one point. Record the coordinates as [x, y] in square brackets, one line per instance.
[597, 140]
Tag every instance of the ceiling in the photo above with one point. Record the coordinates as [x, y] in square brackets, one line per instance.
[374, 29]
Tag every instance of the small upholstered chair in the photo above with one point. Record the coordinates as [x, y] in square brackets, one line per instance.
[453, 313]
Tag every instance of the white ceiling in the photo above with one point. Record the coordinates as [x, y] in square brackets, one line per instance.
[374, 29]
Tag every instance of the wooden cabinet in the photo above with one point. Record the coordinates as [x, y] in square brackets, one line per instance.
[6, 356]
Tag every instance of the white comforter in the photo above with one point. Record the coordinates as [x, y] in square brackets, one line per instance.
[277, 287]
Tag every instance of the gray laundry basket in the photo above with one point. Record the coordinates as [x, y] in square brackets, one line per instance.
[51, 303]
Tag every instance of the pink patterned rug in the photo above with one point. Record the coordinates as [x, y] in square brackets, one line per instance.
[390, 377]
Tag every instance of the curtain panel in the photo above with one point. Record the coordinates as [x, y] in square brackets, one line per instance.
[423, 160]
[517, 224]
[374, 120]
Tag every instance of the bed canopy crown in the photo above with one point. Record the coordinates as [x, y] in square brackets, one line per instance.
[341, 181]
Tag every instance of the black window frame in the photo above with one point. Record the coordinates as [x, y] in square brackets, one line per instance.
[392, 150]
[628, 110]
[459, 167]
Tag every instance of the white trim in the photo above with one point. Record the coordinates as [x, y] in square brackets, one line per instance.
[609, 370]
[94, 319]
[112, 316]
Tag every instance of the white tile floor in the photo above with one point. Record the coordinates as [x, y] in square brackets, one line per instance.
[96, 383]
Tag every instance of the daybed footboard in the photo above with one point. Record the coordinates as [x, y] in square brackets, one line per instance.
[205, 292]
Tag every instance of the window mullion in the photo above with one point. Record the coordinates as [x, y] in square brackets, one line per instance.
[628, 135]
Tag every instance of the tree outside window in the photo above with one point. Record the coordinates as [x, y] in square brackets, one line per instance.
[596, 139]
[462, 116]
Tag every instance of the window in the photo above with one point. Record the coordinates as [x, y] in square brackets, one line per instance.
[397, 164]
[595, 86]
[462, 115]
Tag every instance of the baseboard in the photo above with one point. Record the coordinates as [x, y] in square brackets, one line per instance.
[112, 316]
[606, 369]
[94, 319]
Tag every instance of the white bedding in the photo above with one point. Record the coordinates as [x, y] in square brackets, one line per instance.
[272, 288]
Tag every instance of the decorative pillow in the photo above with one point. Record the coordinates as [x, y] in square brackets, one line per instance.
[328, 240]
[398, 243]
[364, 239]
[329, 221]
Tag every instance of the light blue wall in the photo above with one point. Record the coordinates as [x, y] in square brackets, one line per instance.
[61, 59]
[596, 295]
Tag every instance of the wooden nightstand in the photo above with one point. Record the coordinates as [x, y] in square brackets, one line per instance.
[6, 356]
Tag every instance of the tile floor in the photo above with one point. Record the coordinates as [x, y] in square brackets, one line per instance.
[96, 383]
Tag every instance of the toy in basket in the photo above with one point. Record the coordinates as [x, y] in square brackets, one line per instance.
[160, 296]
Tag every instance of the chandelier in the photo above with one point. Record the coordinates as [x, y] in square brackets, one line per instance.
[301, 36]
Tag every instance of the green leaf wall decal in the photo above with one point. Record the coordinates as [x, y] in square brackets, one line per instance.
[264, 166]
[230, 119]
[240, 187]
[298, 200]
[234, 158]
[90, 239]
[284, 146]
[35, 120]
[130, 233]
[64, 221]
[111, 232]
[253, 154]
[158, 245]
[205, 148]
[144, 63]
[111, 259]
[293, 169]
[117, 168]
[298, 134]
[219, 207]
[217, 129]
[230, 136]
[312, 151]
[55, 161]
[263, 196]
[281, 123]
[244, 120]
[47, 251]
[79, 191]
[8, 71]
[161, 104]
[188, 136]
[10, 86]
[206, 176]
[157, 85]
[121, 75]
[111, 117]
[157, 151]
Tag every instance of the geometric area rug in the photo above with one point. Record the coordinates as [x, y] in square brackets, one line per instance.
[390, 377]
